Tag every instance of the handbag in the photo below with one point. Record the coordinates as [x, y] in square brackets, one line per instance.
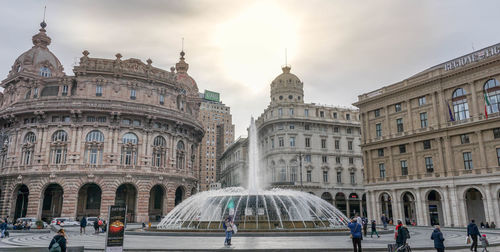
[55, 247]
[467, 240]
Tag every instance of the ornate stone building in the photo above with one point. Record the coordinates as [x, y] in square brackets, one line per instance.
[117, 132]
[234, 164]
[311, 147]
[431, 143]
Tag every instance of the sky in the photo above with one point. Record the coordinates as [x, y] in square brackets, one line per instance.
[339, 49]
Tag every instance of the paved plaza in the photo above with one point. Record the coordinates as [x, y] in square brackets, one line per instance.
[420, 239]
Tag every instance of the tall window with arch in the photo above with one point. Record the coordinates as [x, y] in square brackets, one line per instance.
[159, 151]
[181, 155]
[492, 96]
[4, 149]
[129, 149]
[28, 148]
[45, 71]
[59, 147]
[94, 145]
[282, 170]
[294, 167]
[460, 105]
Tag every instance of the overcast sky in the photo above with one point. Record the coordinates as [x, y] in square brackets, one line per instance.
[339, 49]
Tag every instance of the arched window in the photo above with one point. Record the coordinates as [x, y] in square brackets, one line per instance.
[159, 151]
[30, 138]
[28, 148]
[28, 95]
[282, 171]
[4, 149]
[492, 96]
[180, 145]
[460, 106]
[45, 72]
[180, 155]
[58, 147]
[129, 149]
[94, 147]
[293, 170]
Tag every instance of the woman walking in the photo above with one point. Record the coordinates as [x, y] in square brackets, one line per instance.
[228, 226]
[438, 238]
[58, 243]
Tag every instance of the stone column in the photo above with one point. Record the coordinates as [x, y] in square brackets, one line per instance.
[375, 207]
[371, 167]
[441, 168]
[462, 209]
[448, 157]
[392, 166]
[361, 213]
[445, 205]
[107, 196]
[482, 153]
[396, 206]
[437, 118]
[488, 203]
[455, 206]
[410, 118]
[70, 198]
[387, 121]
[368, 130]
[474, 114]
[35, 198]
[414, 159]
[496, 209]
[142, 206]
[348, 207]
[421, 217]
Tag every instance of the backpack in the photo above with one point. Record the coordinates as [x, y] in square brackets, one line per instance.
[99, 223]
[55, 247]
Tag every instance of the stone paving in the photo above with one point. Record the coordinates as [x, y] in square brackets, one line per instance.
[420, 238]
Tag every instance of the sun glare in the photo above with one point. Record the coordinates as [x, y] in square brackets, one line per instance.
[252, 44]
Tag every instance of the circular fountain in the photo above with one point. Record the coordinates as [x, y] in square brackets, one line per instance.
[255, 209]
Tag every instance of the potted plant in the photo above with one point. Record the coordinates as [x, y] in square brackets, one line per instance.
[39, 224]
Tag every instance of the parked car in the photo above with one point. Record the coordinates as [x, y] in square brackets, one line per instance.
[64, 221]
[91, 220]
[33, 222]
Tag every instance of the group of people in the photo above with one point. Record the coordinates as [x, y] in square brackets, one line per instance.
[359, 228]
[487, 225]
[99, 225]
[22, 225]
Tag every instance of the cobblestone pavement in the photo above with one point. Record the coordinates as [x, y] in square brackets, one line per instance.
[420, 238]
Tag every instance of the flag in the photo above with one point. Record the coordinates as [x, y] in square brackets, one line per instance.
[486, 104]
[451, 114]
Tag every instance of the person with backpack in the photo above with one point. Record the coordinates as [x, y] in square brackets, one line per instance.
[438, 238]
[356, 236]
[228, 227]
[100, 224]
[83, 224]
[58, 243]
[402, 235]
[374, 229]
[96, 225]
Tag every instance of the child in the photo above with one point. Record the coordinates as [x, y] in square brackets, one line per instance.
[374, 229]
[484, 243]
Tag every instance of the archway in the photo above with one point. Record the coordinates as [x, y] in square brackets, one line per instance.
[52, 202]
[409, 210]
[475, 206]
[89, 201]
[179, 195]
[21, 196]
[156, 203]
[386, 205]
[327, 197]
[340, 203]
[126, 195]
[354, 205]
[435, 208]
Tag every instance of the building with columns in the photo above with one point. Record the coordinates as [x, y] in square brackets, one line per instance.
[117, 132]
[234, 164]
[431, 143]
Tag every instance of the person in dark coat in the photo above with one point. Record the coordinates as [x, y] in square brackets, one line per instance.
[473, 232]
[83, 224]
[96, 226]
[374, 229]
[493, 225]
[482, 224]
[356, 235]
[402, 235]
[438, 238]
[384, 221]
[365, 226]
[59, 238]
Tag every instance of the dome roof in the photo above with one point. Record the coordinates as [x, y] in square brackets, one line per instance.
[286, 77]
[287, 87]
[39, 58]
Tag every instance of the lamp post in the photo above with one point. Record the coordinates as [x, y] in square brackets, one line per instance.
[300, 166]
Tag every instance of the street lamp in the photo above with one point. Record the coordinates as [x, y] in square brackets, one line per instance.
[300, 167]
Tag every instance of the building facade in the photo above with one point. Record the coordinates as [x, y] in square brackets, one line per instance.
[118, 132]
[219, 134]
[234, 164]
[311, 147]
[431, 143]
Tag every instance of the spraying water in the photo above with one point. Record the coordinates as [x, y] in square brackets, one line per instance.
[253, 159]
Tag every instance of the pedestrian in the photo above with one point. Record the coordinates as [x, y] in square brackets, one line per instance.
[487, 225]
[492, 225]
[96, 226]
[83, 224]
[365, 226]
[473, 232]
[3, 228]
[58, 243]
[438, 238]
[400, 224]
[99, 223]
[482, 225]
[104, 226]
[228, 227]
[374, 229]
[402, 235]
[484, 243]
[384, 221]
[356, 235]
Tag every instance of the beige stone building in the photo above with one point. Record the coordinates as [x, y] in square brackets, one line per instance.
[234, 164]
[118, 132]
[219, 134]
[431, 143]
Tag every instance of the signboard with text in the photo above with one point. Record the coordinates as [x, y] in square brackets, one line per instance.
[212, 96]
[116, 228]
[472, 57]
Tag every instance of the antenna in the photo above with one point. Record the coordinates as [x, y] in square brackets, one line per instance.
[183, 44]
[286, 61]
[44, 10]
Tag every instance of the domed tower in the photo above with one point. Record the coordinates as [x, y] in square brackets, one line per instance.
[287, 88]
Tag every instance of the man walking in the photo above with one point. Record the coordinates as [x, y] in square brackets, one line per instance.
[473, 232]
[83, 224]
[356, 235]
[384, 221]
[365, 225]
[438, 238]
[3, 227]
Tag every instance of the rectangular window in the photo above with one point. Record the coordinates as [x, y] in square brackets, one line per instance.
[101, 119]
[91, 119]
[307, 127]
[353, 178]
[348, 131]
[35, 93]
[349, 145]
[132, 94]
[98, 90]
[399, 124]
[351, 160]
[402, 148]
[498, 156]
[337, 160]
[337, 144]
[291, 111]
[306, 112]
[381, 167]
[336, 129]
[423, 120]
[377, 112]
[324, 159]
[323, 143]
[56, 119]
[464, 139]
[380, 152]
[65, 90]
[468, 161]
[309, 176]
[421, 101]
[321, 114]
[348, 117]
[272, 143]
[162, 99]
[378, 130]
[397, 107]
[66, 119]
[307, 158]
[93, 156]
[335, 115]
[339, 177]
[292, 126]
[404, 167]
[429, 165]
[325, 176]
[292, 141]
[308, 142]
[280, 112]
[496, 133]
[427, 144]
